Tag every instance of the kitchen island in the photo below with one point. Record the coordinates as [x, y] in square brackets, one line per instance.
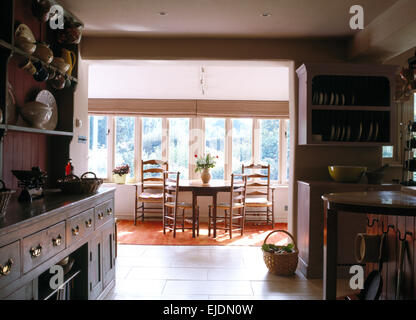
[394, 205]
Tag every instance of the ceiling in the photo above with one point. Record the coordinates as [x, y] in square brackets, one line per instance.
[222, 18]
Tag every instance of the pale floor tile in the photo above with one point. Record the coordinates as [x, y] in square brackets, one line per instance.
[208, 287]
[168, 273]
[204, 272]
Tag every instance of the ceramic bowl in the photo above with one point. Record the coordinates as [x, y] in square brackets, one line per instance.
[351, 174]
[37, 114]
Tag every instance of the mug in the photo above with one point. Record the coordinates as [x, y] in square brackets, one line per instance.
[367, 247]
[28, 66]
[70, 58]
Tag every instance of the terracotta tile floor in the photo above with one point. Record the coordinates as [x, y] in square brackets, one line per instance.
[203, 273]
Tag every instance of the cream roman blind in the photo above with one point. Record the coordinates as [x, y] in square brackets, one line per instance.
[190, 108]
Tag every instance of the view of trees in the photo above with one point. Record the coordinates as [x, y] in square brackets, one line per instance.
[269, 145]
[242, 139]
[152, 138]
[97, 153]
[179, 146]
[214, 144]
[125, 143]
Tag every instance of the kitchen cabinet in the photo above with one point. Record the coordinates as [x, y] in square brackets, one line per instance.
[346, 104]
[36, 236]
[310, 224]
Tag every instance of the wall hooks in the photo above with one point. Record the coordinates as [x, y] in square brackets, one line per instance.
[407, 233]
[370, 225]
[390, 226]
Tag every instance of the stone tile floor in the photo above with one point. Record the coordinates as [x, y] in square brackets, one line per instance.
[147, 272]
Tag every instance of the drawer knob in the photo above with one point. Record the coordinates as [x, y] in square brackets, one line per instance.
[5, 270]
[75, 231]
[109, 211]
[36, 252]
[57, 242]
[100, 215]
[88, 223]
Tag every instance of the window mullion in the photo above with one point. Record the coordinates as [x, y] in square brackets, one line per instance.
[138, 153]
[165, 139]
[111, 147]
[228, 149]
[256, 142]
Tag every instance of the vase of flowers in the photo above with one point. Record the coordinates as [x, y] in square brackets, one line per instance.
[120, 173]
[203, 164]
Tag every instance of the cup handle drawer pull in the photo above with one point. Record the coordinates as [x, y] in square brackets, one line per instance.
[36, 252]
[88, 223]
[100, 215]
[109, 211]
[75, 231]
[5, 270]
[57, 242]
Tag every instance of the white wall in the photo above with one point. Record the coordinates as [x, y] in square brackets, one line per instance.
[124, 202]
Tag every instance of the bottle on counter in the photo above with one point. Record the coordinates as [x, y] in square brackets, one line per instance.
[69, 168]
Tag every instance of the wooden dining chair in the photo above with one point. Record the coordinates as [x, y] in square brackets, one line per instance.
[233, 210]
[174, 211]
[151, 180]
[260, 198]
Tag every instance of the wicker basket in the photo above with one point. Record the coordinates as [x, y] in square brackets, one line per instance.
[74, 185]
[5, 195]
[281, 264]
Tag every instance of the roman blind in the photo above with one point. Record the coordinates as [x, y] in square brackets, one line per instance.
[189, 108]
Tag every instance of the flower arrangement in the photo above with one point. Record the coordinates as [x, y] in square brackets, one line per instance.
[122, 170]
[205, 162]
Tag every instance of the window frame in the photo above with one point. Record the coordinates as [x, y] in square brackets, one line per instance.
[196, 144]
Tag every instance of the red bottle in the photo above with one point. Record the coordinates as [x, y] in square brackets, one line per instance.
[69, 168]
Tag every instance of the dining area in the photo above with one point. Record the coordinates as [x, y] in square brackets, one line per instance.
[245, 197]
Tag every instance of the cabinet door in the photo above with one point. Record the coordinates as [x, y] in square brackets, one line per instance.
[108, 253]
[95, 267]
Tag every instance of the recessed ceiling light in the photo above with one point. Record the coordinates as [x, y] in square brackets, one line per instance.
[162, 13]
[266, 14]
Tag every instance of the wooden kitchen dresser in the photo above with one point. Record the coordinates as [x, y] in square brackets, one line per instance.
[34, 237]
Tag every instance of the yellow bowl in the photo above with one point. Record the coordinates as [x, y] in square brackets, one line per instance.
[346, 173]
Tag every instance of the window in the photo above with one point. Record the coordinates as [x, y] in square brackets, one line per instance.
[242, 137]
[215, 144]
[179, 146]
[152, 138]
[98, 145]
[269, 145]
[287, 122]
[124, 145]
[234, 141]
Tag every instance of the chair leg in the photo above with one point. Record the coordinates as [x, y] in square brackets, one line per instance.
[230, 227]
[142, 211]
[174, 223]
[183, 220]
[197, 222]
[164, 219]
[209, 221]
[242, 221]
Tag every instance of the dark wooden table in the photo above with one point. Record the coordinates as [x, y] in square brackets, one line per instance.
[394, 203]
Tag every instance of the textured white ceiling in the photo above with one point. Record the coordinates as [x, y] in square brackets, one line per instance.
[222, 18]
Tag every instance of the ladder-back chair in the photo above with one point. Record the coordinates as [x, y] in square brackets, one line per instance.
[151, 187]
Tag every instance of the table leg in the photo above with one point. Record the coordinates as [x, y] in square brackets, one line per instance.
[214, 214]
[194, 199]
[330, 255]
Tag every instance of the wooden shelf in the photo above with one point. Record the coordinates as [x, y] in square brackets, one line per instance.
[349, 108]
[34, 59]
[35, 130]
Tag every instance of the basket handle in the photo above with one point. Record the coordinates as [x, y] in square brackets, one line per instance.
[284, 231]
[89, 172]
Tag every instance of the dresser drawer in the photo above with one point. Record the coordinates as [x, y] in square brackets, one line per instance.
[42, 245]
[103, 213]
[80, 226]
[9, 263]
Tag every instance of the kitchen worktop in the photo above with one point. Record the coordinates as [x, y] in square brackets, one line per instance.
[22, 213]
